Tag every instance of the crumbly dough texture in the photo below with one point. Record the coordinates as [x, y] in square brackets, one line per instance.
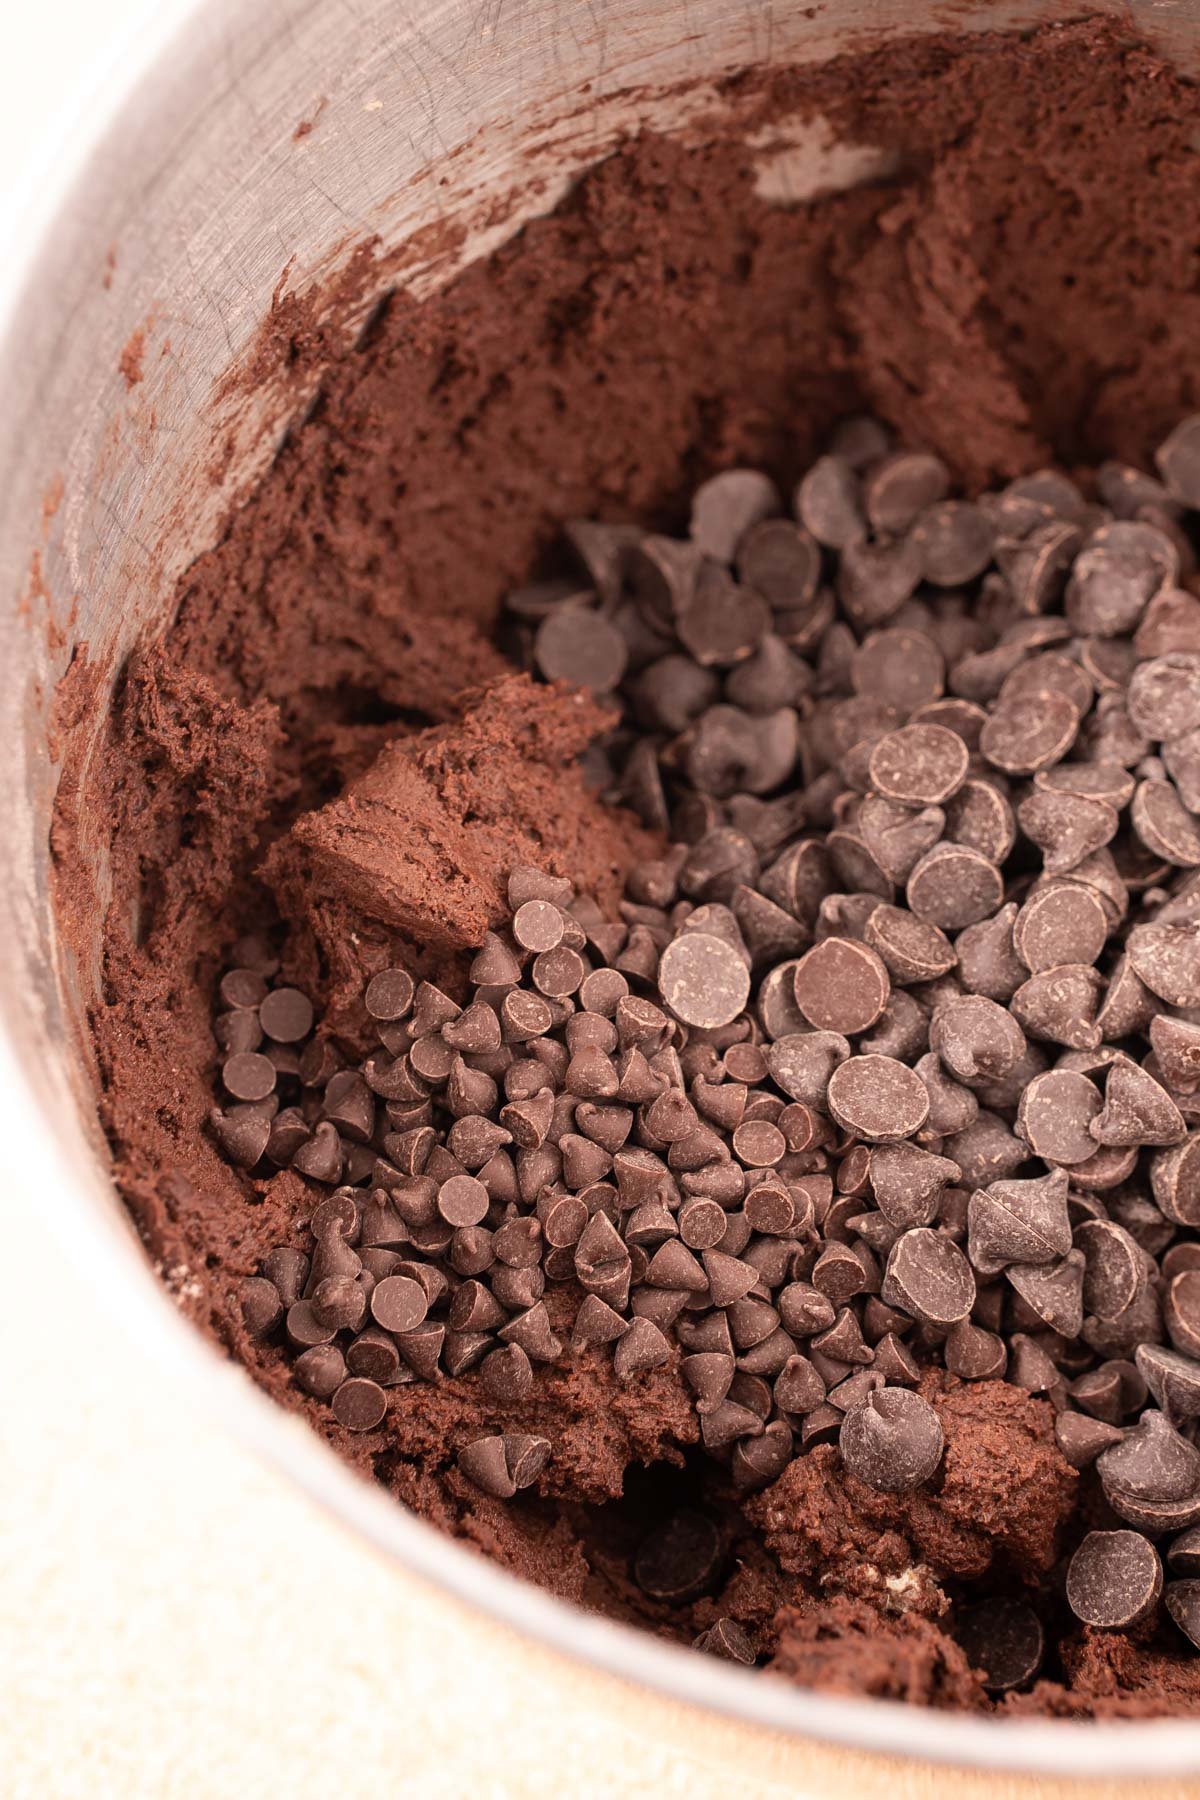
[1022, 290]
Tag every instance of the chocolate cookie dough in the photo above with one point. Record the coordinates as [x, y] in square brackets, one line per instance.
[328, 744]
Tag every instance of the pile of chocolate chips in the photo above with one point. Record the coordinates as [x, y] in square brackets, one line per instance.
[890, 1061]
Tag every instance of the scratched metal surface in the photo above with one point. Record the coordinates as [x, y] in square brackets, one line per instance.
[183, 205]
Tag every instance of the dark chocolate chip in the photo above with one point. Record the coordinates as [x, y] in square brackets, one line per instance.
[892, 1441]
[1114, 1579]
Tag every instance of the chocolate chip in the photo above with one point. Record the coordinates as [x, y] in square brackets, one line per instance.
[1167, 958]
[1151, 1463]
[829, 505]
[1058, 925]
[389, 995]
[238, 1031]
[841, 986]
[725, 507]
[1059, 1006]
[1172, 1379]
[977, 1040]
[902, 486]
[1055, 1112]
[703, 980]
[928, 1277]
[727, 1640]
[463, 1200]
[374, 1355]
[243, 988]
[1002, 1638]
[1031, 732]
[1022, 1221]
[974, 1354]
[242, 1134]
[399, 1303]
[1054, 1293]
[1175, 1180]
[1113, 1268]
[1114, 1579]
[339, 1301]
[286, 1015]
[1082, 1439]
[578, 645]
[643, 1346]
[781, 562]
[504, 1464]
[1164, 696]
[248, 1075]
[261, 1306]
[877, 1098]
[359, 1404]
[919, 765]
[321, 1370]
[1137, 1110]
[1176, 1045]
[679, 1559]
[953, 886]
[1183, 1603]
[893, 1441]
[723, 623]
[955, 541]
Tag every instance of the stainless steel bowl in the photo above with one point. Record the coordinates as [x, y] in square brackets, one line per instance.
[180, 200]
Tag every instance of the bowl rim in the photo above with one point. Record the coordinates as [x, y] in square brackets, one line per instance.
[84, 1219]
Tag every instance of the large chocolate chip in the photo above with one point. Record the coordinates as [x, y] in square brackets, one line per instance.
[877, 1098]
[928, 1277]
[1003, 1638]
[841, 985]
[893, 1441]
[679, 1559]
[1114, 1579]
